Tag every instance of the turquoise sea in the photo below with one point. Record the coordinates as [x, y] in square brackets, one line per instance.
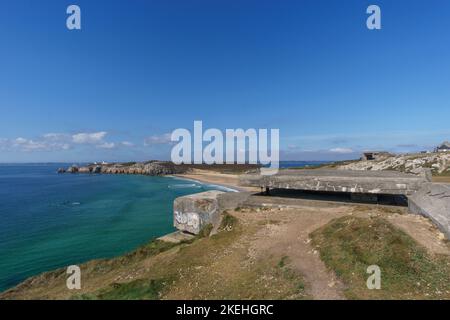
[50, 220]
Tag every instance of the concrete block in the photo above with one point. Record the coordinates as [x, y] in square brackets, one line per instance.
[193, 212]
[176, 237]
[353, 181]
[433, 201]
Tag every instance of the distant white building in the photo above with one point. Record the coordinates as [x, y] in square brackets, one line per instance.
[444, 147]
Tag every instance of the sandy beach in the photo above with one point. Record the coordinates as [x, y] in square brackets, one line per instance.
[223, 179]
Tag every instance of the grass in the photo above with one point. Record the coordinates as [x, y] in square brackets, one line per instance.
[208, 267]
[127, 164]
[206, 230]
[283, 261]
[228, 222]
[138, 289]
[442, 179]
[349, 245]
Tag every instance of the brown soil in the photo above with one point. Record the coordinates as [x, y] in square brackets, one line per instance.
[286, 234]
[441, 179]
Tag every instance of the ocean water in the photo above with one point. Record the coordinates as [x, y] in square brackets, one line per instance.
[50, 220]
[301, 164]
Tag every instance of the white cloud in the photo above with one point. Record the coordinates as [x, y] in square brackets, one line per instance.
[41, 144]
[61, 142]
[21, 140]
[89, 138]
[158, 139]
[107, 145]
[56, 136]
[341, 150]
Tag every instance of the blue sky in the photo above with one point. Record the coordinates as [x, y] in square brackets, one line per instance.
[139, 69]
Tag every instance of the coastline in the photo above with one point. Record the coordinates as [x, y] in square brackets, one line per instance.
[227, 181]
[219, 181]
[222, 187]
[273, 234]
[77, 204]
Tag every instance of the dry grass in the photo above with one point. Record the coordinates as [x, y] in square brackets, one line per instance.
[442, 179]
[349, 245]
[215, 267]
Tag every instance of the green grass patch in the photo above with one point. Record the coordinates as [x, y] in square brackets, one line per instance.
[148, 289]
[349, 245]
[127, 164]
[152, 248]
[283, 261]
[228, 222]
[206, 231]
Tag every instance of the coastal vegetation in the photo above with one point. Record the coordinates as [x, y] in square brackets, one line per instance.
[318, 250]
[348, 245]
[213, 267]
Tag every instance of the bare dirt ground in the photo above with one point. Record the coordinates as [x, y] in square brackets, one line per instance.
[286, 234]
[441, 179]
[423, 231]
[420, 228]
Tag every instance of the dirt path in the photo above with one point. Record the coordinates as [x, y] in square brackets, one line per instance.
[286, 235]
[423, 231]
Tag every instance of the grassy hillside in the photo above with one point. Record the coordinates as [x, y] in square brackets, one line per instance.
[349, 245]
[207, 267]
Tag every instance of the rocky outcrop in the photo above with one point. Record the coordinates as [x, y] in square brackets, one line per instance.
[72, 169]
[84, 170]
[152, 168]
[438, 163]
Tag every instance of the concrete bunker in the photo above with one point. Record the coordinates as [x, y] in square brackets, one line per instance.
[416, 191]
[344, 197]
[375, 155]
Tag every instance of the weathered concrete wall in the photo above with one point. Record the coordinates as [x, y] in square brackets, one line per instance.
[433, 201]
[371, 182]
[193, 212]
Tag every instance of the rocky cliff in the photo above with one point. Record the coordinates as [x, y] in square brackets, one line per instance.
[153, 168]
[439, 163]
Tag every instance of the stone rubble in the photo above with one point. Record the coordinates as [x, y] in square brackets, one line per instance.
[409, 163]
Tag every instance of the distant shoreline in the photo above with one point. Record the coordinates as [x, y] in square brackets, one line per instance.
[230, 188]
[225, 180]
